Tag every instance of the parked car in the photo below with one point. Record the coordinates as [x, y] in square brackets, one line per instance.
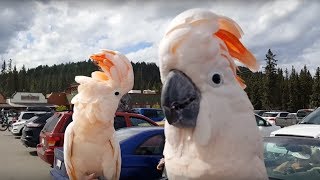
[264, 126]
[308, 127]
[152, 113]
[260, 112]
[291, 119]
[52, 134]
[292, 158]
[18, 126]
[31, 130]
[271, 116]
[39, 108]
[141, 150]
[301, 113]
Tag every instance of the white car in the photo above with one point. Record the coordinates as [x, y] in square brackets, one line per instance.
[271, 116]
[265, 127]
[309, 127]
[25, 116]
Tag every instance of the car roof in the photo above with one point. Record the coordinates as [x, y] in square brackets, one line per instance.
[148, 108]
[141, 129]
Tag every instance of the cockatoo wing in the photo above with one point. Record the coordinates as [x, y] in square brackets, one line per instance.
[67, 145]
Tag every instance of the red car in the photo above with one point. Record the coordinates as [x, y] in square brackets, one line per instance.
[52, 134]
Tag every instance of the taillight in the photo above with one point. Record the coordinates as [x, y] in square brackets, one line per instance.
[52, 141]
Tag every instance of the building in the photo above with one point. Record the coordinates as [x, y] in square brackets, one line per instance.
[137, 98]
[3, 104]
[22, 100]
[59, 99]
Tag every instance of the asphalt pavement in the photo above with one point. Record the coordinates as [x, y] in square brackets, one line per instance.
[18, 162]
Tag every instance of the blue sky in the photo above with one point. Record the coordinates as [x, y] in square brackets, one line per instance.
[51, 32]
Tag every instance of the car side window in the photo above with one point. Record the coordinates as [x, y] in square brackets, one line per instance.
[260, 121]
[152, 146]
[283, 114]
[119, 122]
[139, 122]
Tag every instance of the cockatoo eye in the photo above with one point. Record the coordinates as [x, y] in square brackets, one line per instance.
[116, 93]
[216, 79]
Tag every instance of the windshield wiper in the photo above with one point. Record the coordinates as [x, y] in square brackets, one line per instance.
[307, 123]
[274, 178]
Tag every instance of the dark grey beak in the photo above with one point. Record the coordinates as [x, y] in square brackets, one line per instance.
[180, 100]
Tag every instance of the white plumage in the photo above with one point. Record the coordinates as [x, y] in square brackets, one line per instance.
[90, 148]
[219, 139]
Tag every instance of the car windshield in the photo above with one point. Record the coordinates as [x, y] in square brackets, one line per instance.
[313, 118]
[269, 114]
[297, 159]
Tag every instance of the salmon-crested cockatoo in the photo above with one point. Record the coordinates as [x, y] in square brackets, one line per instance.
[90, 147]
[211, 132]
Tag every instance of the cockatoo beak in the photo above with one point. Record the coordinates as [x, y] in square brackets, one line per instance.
[180, 100]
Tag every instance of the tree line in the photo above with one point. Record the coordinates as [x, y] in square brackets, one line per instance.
[272, 88]
[57, 78]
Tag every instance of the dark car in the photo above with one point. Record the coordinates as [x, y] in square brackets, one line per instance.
[152, 113]
[52, 134]
[31, 130]
[141, 151]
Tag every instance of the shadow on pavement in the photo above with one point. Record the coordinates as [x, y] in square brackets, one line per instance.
[33, 153]
[17, 137]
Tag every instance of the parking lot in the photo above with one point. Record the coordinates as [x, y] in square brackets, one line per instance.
[19, 162]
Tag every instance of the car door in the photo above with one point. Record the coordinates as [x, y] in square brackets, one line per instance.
[142, 163]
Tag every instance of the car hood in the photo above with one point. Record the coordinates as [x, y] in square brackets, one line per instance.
[306, 130]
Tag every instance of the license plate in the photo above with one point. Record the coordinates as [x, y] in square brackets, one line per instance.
[58, 163]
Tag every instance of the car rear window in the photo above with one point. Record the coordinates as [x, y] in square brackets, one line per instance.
[284, 114]
[126, 133]
[51, 123]
[27, 115]
[43, 118]
[68, 121]
[269, 114]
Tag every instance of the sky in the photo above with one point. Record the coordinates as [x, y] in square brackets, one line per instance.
[45, 32]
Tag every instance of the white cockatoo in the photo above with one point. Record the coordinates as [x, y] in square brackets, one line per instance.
[90, 147]
[211, 132]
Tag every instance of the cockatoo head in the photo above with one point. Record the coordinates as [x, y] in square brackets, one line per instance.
[101, 92]
[198, 70]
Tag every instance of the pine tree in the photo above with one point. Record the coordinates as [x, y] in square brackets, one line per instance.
[315, 97]
[306, 83]
[294, 92]
[3, 67]
[269, 101]
[285, 91]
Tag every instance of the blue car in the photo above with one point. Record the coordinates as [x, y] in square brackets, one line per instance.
[152, 113]
[141, 151]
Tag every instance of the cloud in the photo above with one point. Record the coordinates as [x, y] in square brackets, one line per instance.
[52, 32]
